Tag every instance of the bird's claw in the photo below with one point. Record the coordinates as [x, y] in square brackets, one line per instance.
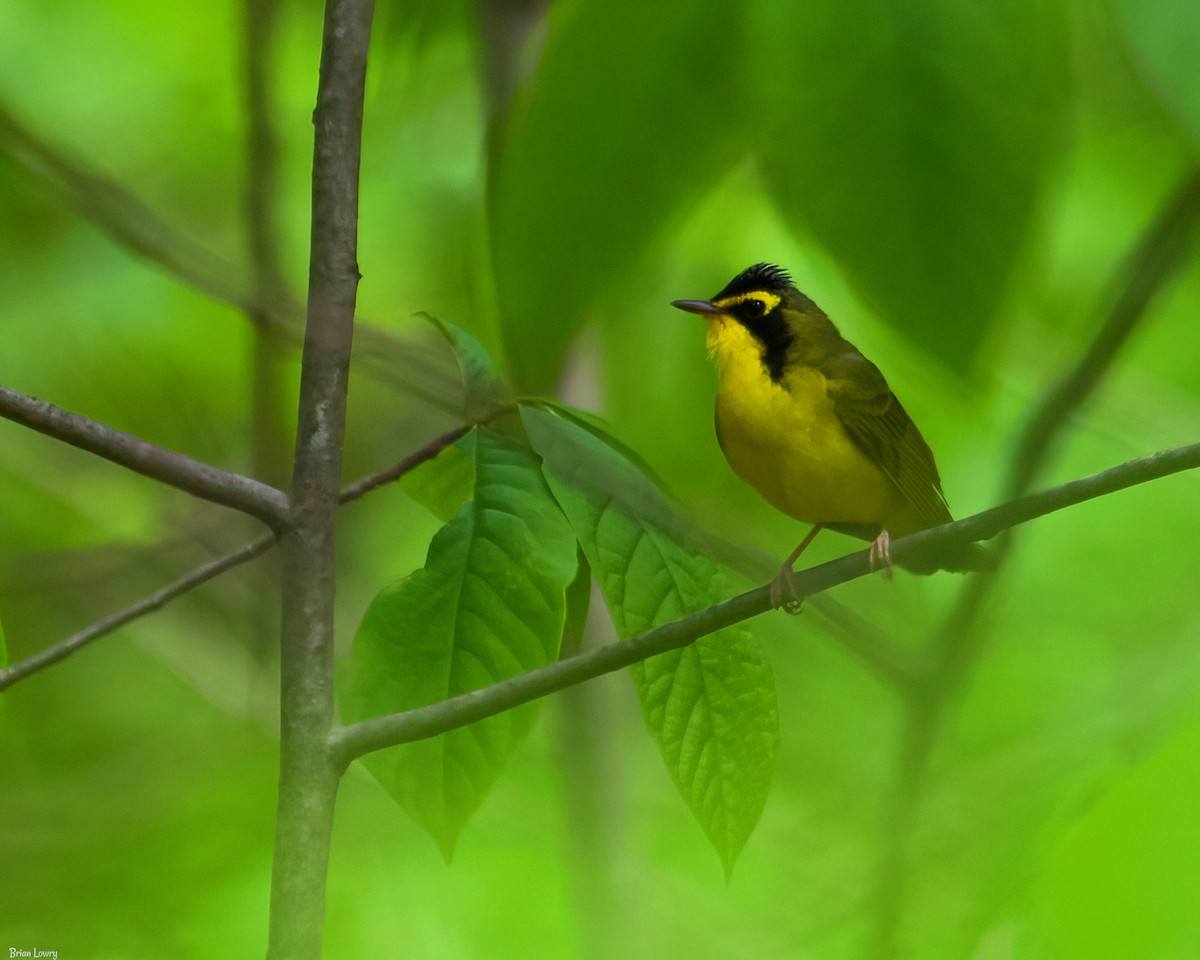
[880, 556]
[783, 592]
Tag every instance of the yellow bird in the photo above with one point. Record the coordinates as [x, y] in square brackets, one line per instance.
[812, 425]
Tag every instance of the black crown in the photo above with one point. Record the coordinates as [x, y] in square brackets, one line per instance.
[761, 276]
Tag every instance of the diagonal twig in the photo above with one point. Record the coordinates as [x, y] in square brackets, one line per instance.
[404, 363]
[148, 604]
[212, 568]
[193, 476]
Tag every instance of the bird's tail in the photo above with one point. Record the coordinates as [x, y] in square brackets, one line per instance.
[954, 557]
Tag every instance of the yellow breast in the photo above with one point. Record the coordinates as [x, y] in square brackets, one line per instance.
[786, 440]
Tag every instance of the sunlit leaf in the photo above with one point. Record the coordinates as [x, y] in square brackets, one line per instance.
[488, 604]
[911, 141]
[1165, 37]
[710, 706]
[626, 123]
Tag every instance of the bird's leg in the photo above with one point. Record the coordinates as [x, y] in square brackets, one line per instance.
[881, 555]
[783, 591]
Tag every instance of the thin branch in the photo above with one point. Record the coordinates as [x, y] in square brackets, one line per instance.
[148, 604]
[270, 452]
[365, 485]
[210, 569]
[506, 27]
[180, 471]
[357, 739]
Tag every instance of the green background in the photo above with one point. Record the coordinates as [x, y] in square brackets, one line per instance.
[956, 184]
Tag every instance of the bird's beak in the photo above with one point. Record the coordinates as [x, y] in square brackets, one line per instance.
[702, 307]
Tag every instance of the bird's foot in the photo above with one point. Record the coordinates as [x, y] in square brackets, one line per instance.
[783, 587]
[783, 592]
[880, 555]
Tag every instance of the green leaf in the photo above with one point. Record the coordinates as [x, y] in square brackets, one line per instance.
[488, 604]
[443, 484]
[3, 648]
[711, 706]
[912, 141]
[1164, 36]
[483, 388]
[627, 123]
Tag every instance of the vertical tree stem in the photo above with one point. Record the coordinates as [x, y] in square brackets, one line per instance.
[308, 776]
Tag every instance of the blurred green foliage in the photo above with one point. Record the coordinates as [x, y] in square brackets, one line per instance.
[954, 184]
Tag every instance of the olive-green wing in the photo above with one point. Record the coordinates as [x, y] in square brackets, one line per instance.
[881, 428]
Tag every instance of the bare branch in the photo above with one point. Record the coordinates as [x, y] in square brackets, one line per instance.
[148, 604]
[351, 742]
[180, 471]
[114, 209]
[212, 568]
[365, 485]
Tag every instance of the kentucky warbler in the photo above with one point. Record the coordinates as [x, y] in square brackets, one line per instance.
[812, 425]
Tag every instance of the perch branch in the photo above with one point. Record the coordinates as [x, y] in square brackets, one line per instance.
[355, 740]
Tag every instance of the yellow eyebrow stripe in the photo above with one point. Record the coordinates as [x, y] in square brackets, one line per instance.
[772, 300]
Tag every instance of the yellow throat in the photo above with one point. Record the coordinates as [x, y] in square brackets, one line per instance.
[785, 439]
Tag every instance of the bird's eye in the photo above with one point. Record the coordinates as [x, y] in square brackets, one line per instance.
[754, 308]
